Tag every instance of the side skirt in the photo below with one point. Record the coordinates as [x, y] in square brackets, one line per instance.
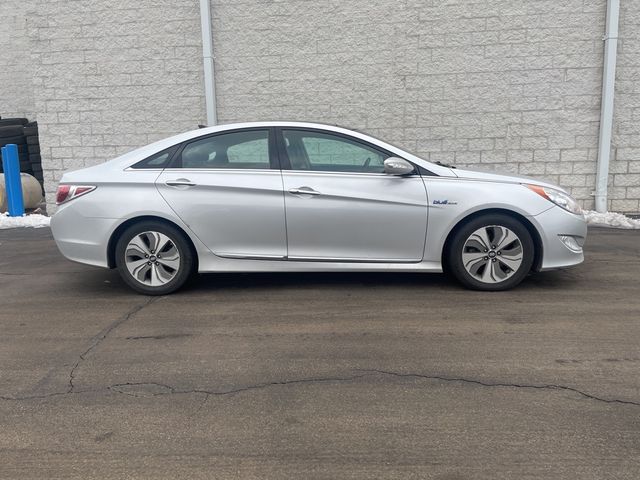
[213, 263]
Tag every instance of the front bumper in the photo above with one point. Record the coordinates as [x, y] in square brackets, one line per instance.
[563, 234]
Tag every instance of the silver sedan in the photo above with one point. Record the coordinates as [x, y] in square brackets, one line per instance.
[293, 197]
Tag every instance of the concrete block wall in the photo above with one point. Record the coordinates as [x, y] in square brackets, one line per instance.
[16, 67]
[505, 85]
[112, 76]
[624, 181]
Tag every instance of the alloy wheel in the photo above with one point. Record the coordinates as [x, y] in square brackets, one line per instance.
[152, 258]
[492, 254]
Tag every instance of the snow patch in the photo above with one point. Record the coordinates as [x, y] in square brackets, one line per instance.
[611, 219]
[34, 220]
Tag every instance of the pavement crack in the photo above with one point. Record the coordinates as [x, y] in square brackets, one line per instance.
[204, 402]
[155, 389]
[123, 387]
[169, 390]
[547, 386]
[100, 337]
[46, 395]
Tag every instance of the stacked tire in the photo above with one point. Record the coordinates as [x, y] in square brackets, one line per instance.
[24, 134]
[12, 131]
[33, 149]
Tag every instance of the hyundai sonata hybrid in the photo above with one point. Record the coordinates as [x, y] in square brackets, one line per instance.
[294, 197]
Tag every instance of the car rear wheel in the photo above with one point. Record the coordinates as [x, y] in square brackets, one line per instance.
[492, 252]
[154, 258]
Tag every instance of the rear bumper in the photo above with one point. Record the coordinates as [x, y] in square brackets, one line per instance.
[82, 239]
[563, 234]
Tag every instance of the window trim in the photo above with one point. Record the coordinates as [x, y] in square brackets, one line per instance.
[176, 160]
[286, 163]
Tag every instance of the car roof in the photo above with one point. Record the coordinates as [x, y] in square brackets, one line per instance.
[130, 158]
[292, 124]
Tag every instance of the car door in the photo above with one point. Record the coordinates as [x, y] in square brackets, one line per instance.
[227, 188]
[341, 206]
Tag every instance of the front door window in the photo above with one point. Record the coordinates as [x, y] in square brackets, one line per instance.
[323, 152]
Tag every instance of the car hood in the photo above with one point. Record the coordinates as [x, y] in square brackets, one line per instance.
[491, 176]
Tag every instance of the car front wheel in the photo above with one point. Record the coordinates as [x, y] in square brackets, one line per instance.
[491, 252]
[154, 258]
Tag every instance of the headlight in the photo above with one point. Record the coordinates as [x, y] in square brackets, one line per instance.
[556, 196]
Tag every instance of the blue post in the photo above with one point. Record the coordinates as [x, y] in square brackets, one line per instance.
[12, 182]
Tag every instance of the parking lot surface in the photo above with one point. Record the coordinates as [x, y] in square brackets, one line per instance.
[319, 375]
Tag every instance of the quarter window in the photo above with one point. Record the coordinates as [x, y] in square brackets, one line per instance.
[324, 152]
[156, 161]
[246, 150]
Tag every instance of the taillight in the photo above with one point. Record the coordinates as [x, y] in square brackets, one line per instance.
[69, 192]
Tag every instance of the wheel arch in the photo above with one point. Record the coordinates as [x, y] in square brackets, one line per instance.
[113, 239]
[533, 231]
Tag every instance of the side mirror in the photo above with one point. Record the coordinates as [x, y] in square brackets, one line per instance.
[397, 166]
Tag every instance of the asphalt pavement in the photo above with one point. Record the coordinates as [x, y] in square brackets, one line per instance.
[319, 376]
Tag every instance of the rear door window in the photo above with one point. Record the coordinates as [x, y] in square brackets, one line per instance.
[236, 150]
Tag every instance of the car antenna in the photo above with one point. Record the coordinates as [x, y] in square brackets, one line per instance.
[444, 164]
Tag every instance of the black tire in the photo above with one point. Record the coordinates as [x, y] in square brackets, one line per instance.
[35, 140]
[33, 148]
[455, 263]
[187, 257]
[21, 140]
[11, 131]
[30, 131]
[13, 121]
[35, 158]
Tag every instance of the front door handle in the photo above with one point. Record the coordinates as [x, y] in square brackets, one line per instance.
[304, 191]
[180, 182]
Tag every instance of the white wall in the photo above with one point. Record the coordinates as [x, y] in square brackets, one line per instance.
[112, 76]
[16, 67]
[506, 84]
[624, 181]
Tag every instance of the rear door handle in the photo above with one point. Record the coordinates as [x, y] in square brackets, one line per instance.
[304, 191]
[180, 182]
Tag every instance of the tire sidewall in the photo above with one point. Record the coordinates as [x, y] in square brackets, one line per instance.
[187, 258]
[456, 265]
